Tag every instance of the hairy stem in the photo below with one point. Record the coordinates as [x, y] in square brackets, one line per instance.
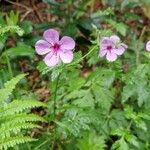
[54, 112]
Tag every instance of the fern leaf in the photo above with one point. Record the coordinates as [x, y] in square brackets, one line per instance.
[18, 106]
[21, 118]
[14, 117]
[15, 128]
[12, 141]
[9, 87]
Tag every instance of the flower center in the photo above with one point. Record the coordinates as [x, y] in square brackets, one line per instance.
[56, 47]
[109, 47]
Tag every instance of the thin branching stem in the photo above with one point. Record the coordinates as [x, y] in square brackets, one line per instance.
[76, 62]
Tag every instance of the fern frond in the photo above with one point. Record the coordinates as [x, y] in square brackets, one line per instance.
[5, 130]
[14, 116]
[18, 106]
[21, 118]
[9, 87]
[12, 141]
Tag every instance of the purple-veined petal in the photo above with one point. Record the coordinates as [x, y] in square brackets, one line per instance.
[51, 35]
[105, 41]
[102, 52]
[67, 43]
[115, 39]
[42, 47]
[66, 56]
[51, 59]
[110, 56]
[120, 49]
[148, 46]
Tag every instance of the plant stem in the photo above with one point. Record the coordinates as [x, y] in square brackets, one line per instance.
[87, 53]
[55, 95]
[129, 125]
[83, 56]
[43, 143]
[9, 66]
[138, 51]
[54, 113]
[137, 58]
[142, 32]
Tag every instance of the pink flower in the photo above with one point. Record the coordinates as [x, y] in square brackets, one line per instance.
[55, 50]
[111, 47]
[148, 46]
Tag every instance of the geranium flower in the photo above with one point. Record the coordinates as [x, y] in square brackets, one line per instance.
[148, 46]
[111, 47]
[55, 50]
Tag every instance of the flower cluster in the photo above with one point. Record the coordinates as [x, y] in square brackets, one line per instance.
[56, 50]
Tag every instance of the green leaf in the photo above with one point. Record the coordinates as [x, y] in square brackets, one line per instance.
[128, 91]
[11, 28]
[12, 18]
[86, 99]
[136, 85]
[120, 27]
[70, 30]
[91, 141]
[21, 50]
[105, 12]
[120, 145]
[26, 26]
